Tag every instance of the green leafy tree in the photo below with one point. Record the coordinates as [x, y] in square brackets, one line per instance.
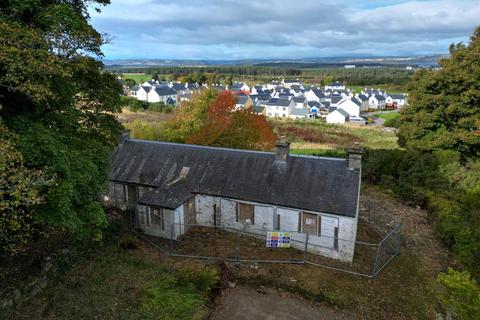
[461, 296]
[20, 189]
[444, 104]
[61, 105]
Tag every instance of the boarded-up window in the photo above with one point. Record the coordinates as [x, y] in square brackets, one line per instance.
[245, 212]
[277, 222]
[157, 217]
[310, 223]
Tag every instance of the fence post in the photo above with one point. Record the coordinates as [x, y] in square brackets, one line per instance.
[375, 263]
[306, 248]
[237, 247]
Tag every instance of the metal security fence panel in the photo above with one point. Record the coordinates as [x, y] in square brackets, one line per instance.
[377, 244]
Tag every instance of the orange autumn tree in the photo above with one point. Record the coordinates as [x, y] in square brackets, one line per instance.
[225, 127]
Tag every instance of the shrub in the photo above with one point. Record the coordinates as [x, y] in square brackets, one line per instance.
[128, 242]
[461, 296]
[203, 280]
[168, 299]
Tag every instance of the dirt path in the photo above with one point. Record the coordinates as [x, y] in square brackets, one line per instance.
[264, 304]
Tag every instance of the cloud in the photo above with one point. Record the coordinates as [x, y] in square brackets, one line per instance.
[231, 29]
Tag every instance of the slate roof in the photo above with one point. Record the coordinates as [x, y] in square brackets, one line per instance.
[165, 91]
[304, 182]
[147, 89]
[299, 112]
[343, 112]
[336, 99]
[398, 96]
[178, 86]
[279, 102]
[357, 102]
[319, 93]
[169, 197]
[362, 97]
[298, 99]
[241, 98]
[380, 97]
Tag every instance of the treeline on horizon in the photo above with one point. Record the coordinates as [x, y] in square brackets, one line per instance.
[355, 76]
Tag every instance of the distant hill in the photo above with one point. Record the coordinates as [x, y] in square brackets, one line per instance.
[401, 61]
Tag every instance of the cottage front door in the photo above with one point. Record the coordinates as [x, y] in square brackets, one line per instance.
[131, 197]
[190, 213]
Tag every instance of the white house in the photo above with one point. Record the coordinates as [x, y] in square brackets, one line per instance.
[243, 102]
[171, 187]
[142, 93]
[364, 102]
[398, 100]
[162, 94]
[335, 86]
[377, 101]
[315, 94]
[350, 107]
[279, 107]
[337, 116]
[245, 87]
[290, 82]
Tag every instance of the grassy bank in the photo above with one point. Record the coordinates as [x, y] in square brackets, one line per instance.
[116, 283]
[318, 138]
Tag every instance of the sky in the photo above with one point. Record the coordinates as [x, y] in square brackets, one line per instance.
[283, 29]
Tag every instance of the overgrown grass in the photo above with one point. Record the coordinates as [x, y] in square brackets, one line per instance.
[139, 78]
[388, 116]
[123, 284]
[317, 138]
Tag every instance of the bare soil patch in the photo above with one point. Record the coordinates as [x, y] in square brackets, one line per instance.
[265, 303]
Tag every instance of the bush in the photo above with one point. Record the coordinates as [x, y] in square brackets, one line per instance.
[461, 296]
[204, 280]
[128, 242]
[437, 181]
[393, 122]
[168, 298]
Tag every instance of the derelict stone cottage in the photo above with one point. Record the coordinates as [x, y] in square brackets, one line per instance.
[171, 186]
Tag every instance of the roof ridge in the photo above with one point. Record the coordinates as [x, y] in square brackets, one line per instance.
[194, 146]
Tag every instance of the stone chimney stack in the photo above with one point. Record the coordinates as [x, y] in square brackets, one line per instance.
[355, 157]
[282, 150]
[125, 135]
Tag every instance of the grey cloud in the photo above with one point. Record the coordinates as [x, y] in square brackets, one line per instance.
[308, 24]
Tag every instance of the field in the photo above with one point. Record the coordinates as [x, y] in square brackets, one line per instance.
[317, 138]
[138, 77]
[388, 116]
[391, 89]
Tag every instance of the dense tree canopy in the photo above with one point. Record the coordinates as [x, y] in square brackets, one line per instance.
[444, 104]
[60, 105]
[210, 119]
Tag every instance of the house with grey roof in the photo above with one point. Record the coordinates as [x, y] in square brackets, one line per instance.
[243, 102]
[170, 187]
[279, 107]
[377, 101]
[336, 85]
[338, 116]
[396, 100]
[364, 102]
[163, 94]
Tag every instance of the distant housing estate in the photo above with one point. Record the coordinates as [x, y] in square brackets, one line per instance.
[285, 99]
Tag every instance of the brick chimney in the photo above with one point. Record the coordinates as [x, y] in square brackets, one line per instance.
[355, 157]
[282, 150]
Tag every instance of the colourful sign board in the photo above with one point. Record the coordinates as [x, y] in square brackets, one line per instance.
[277, 239]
